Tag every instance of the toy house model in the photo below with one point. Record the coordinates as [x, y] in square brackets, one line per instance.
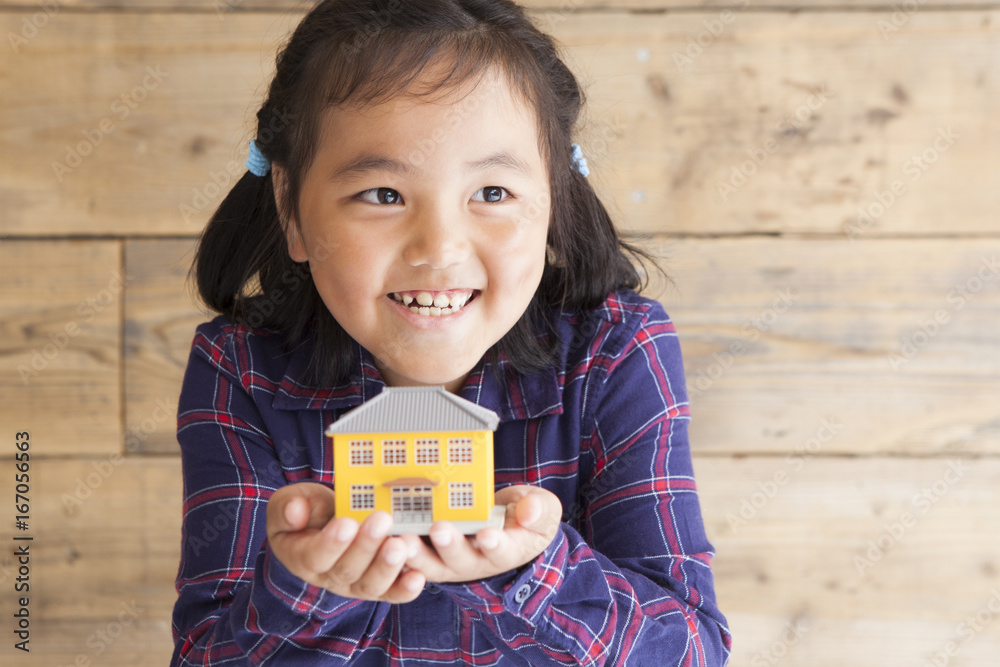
[419, 453]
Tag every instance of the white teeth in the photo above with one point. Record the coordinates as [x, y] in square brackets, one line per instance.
[432, 306]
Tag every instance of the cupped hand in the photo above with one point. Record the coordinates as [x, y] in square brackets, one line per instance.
[336, 553]
[531, 523]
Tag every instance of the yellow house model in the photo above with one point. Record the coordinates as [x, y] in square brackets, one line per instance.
[420, 453]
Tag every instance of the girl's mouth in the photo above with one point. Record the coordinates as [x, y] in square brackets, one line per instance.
[434, 304]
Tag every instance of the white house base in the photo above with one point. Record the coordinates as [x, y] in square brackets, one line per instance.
[496, 519]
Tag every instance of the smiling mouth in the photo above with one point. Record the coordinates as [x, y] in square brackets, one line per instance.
[434, 304]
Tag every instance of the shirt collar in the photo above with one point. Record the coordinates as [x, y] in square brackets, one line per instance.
[514, 397]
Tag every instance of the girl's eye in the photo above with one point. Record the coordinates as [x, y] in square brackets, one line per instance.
[491, 194]
[382, 196]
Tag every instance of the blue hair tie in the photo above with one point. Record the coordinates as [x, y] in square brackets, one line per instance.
[256, 162]
[580, 162]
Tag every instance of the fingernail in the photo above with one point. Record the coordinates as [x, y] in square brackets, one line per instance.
[441, 538]
[346, 530]
[412, 550]
[395, 556]
[488, 541]
[379, 525]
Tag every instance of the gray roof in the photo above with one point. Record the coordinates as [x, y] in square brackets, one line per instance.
[415, 409]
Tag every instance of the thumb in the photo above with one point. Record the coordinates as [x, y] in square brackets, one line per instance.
[538, 509]
[296, 513]
[528, 510]
[297, 506]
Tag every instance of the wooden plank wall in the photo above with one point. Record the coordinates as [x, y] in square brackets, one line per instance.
[819, 178]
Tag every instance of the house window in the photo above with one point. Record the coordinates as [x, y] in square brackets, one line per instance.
[362, 452]
[459, 450]
[428, 451]
[362, 496]
[394, 452]
[412, 504]
[460, 495]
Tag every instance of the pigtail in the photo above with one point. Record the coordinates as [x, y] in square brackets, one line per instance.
[242, 270]
[240, 233]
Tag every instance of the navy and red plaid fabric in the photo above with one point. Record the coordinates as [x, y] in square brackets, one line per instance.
[627, 579]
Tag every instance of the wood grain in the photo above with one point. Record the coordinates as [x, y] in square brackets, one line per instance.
[226, 7]
[104, 554]
[60, 355]
[161, 314]
[836, 110]
[894, 340]
[879, 559]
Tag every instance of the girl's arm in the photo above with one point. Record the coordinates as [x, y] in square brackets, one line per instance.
[627, 579]
[237, 603]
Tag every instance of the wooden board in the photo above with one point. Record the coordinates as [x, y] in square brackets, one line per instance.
[161, 314]
[141, 126]
[801, 556]
[894, 340]
[225, 7]
[879, 559]
[60, 344]
[662, 134]
[106, 541]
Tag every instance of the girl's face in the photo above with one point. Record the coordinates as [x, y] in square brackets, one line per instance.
[424, 224]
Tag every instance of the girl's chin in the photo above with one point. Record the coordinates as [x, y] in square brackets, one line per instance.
[451, 376]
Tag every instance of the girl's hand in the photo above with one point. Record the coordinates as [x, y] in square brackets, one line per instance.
[533, 516]
[340, 556]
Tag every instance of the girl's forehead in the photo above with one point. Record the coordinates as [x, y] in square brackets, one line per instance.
[489, 92]
[457, 118]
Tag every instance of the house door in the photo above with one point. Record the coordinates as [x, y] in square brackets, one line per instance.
[412, 504]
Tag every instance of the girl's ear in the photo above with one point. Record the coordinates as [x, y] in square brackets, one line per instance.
[293, 235]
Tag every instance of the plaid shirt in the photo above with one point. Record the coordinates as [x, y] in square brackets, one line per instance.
[627, 579]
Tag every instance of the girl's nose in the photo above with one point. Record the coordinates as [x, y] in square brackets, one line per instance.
[436, 239]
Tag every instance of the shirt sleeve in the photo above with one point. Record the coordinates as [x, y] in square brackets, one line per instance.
[237, 603]
[627, 580]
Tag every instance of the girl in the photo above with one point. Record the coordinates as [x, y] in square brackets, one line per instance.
[414, 215]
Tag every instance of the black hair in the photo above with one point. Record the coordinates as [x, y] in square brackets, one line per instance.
[361, 52]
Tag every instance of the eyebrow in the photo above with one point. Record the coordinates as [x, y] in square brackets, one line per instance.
[368, 162]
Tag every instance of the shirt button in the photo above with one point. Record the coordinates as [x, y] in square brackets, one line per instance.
[522, 594]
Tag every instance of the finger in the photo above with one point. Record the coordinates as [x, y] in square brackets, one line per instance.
[296, 513]
[509, 495]
[287, 511]
[456, 552]
[320, 553]
[539, 511]
[528, 510]
[407, 587]
[383, 571]
[293, 507]
[360, 554]
[423, 558]
[496, 546]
